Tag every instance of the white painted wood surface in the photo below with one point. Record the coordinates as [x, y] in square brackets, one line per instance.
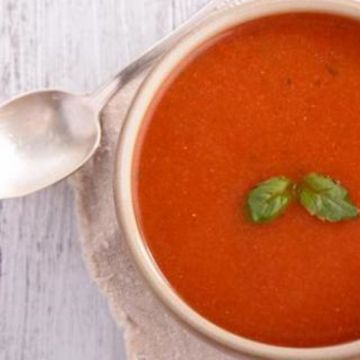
[49, 308]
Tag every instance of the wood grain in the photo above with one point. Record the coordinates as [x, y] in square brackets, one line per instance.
[49, 308]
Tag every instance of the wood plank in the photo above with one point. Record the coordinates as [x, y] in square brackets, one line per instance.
[49, 307]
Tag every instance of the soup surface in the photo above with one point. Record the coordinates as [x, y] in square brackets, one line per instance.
[275, 96]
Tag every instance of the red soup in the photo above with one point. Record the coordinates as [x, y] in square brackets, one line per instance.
[275, 96]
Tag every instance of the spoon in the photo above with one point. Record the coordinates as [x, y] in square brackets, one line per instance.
[45, 136]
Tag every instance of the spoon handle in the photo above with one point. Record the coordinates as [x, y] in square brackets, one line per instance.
[104, 94]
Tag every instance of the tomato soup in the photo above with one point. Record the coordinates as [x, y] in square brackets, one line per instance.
[275, 96]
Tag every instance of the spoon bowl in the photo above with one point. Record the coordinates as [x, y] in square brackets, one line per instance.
[44, 137]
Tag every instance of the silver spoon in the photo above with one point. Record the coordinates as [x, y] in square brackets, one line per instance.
[47, 135]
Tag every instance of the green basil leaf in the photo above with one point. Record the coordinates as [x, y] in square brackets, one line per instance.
[269, 199]
[326, 199]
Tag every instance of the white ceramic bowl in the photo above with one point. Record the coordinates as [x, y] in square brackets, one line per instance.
[124, 164]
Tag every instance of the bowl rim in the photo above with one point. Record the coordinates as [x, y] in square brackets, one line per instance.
[213, 25]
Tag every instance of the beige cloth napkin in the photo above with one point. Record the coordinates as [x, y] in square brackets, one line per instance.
[151, 333]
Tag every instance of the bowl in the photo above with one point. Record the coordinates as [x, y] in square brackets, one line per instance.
[215, 24]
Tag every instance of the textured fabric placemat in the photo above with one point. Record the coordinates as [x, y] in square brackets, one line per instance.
[151, 333]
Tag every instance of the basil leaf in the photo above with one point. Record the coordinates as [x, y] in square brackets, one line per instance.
[326, 199]
[269, 199]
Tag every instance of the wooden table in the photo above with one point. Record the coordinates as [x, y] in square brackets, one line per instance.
[49, 308]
